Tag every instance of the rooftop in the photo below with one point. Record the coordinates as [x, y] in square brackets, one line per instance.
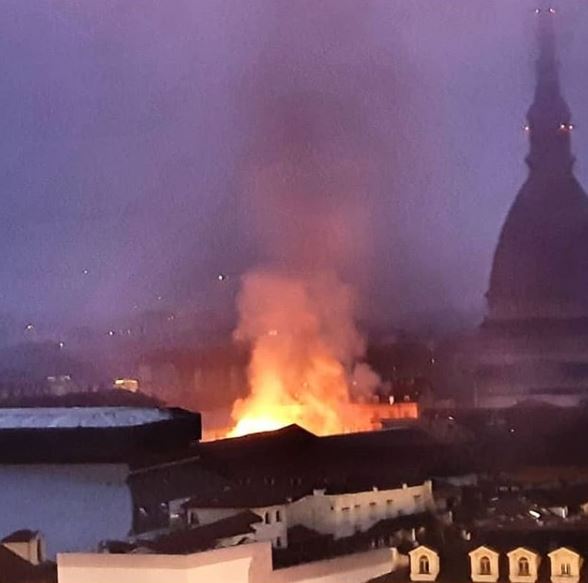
[194, 539]
[20, 536]
[69, 417]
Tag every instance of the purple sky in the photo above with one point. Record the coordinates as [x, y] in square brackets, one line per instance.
[129, 131]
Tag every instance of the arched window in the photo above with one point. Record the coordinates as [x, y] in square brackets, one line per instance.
[524, 567]
[278, 516]
[485, 567]
[566, 569]
[424, 568]
[266, 518]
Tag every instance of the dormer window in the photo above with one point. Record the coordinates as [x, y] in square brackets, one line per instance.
[566, 565]
[523, 565]
[524, 570]
[424, 564]
[424, 567]
[485, 566]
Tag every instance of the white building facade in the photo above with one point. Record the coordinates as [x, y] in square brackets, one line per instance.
[343, 515]
[338, 515]
[251, 563]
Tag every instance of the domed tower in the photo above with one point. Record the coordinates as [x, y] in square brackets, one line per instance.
[535, 336]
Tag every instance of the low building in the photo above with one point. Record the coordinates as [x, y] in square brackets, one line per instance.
[250, 563]
[344, 514]
[338, 514]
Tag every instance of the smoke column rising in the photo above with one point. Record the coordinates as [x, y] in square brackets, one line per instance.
[307, 183]
[305, 345]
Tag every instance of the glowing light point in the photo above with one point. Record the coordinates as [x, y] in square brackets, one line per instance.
[527, 128]
[111, 332]
[29, 327]
[552, 11]
[85, 271]
[61, 344]
[221, 277]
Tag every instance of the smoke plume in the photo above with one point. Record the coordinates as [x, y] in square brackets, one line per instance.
[305, 347]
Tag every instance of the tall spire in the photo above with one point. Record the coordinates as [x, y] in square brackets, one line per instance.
[549, 118]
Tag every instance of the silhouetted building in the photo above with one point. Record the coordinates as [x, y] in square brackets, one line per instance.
[535, 337]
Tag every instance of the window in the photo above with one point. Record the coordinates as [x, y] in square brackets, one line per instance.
[278, 516]
[524, 567]
[424, 568]
[193, 518]
[279, 542]
[389, 509]
[373, 510]
[566, 569]
[345, 512]
[267, 518]
[485, 567]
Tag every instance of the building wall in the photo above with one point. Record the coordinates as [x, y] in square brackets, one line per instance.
[344, 514]
[357, 568]
[32, 550]
[242, 564]
[273, 527]
[73, 506]
[203, 516]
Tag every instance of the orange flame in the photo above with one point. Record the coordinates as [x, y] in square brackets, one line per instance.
[304, 346]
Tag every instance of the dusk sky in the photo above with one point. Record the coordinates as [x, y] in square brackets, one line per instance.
[131, 132]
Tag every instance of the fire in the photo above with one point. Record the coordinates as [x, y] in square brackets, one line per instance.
[304, 348]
